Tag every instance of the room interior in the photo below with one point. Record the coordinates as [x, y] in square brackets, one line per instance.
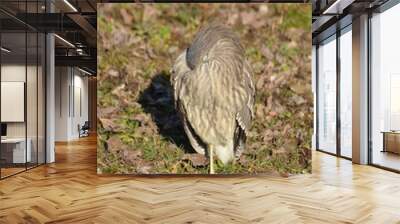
[385, 72]
[22, 101]
[361, 37]
[30, 90]
[355, 165]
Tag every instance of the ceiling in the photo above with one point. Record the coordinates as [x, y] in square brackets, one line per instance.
[74, 22]
[332, 15]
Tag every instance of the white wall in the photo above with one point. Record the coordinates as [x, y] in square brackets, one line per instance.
[314, 90]
[33, 127]
[62, 81]
[80, 109]
[13, 101]
[70, 83]
[12, 73]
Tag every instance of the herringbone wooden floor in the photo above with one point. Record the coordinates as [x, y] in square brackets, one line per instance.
[69, 191]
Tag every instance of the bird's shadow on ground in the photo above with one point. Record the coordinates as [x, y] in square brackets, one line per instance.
[157, 99]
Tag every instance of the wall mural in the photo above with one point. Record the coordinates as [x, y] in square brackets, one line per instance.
[204, 89]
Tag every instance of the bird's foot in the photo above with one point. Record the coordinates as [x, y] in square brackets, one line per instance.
[212, 167]
[211, 152]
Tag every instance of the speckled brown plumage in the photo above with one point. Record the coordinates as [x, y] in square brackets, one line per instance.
[214, 92]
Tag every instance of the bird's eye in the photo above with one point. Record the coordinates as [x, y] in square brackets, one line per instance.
[172, 71]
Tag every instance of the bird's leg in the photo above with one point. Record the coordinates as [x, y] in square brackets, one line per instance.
[211, 154]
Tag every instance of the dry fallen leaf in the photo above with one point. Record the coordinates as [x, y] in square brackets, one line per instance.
[114, 144]
[126, 16]
[130, 155]
[106, 112]
[110, 125]
[149, 12]
[196, 159]
[144, 167]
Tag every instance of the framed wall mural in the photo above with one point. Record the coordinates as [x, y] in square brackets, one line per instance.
[204, 88]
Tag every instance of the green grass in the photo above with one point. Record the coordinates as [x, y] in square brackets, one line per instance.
[148, 51]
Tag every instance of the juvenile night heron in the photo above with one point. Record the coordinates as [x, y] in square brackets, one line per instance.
[214, 93]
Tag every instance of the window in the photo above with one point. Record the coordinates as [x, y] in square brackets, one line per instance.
[327, 95]
[22, 88]
[346, 92]
[385, 89]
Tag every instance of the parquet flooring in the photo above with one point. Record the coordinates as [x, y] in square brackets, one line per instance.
[10, 171]
[69, 191]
